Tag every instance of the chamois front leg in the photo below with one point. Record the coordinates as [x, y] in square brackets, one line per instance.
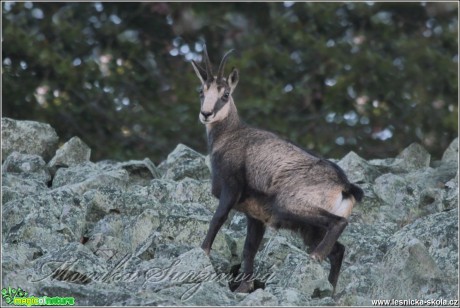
[254, 236]
[228, 198]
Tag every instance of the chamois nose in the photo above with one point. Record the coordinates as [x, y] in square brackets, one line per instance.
[205, 114]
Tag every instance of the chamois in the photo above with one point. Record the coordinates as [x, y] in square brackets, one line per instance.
[274, 182]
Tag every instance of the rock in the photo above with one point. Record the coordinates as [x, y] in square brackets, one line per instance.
[16, 187]
[141, 172]
[185, 162]
[422, 260]
[365, 247]
[27, 165]
[279, 263]
[186, 190]
[413, 157]
[72, 153]
[23, 174]
[28, 137]
[451, 153]
[286, 297]
[400, 197]
[90, 175]
[46, 220]
[451, 197]
[115, 235]
[112, 174]
[73, 263]
[259, 298]
[357, 169]
[189, 225]
[204, 294]
[134, 232]
[18, 255]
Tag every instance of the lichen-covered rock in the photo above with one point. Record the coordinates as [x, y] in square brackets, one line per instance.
[365, 246]
[451, 153]
[28, 137]
[412, 158]
[188, 225]
[185, 162]
[285, 296]
[26, 165]
[23, 174]
[259, 298]
[141, 172]
[46, 220]
[106, 173]
[357, 169]
[71, 153]
[281, 264]
[135, 231]
[422, 260]
[399, 197]
[89, 176]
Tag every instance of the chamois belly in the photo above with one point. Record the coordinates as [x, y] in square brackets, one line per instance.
[255, 208]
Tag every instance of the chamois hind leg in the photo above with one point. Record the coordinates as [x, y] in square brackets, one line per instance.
[336, 258]
[332, 225]
[312, 236]
[255, 233]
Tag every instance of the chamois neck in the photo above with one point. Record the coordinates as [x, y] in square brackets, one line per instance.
[216, 130]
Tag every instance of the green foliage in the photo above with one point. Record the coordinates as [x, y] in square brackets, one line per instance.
[332, 77]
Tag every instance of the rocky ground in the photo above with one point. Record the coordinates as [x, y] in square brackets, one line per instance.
[128, 233]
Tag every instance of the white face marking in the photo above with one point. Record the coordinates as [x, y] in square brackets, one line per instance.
[211, 97]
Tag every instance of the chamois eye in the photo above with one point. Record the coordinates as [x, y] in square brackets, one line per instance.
[226, 95]
[200, 92]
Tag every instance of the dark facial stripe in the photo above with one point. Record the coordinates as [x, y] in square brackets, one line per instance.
[221, 102]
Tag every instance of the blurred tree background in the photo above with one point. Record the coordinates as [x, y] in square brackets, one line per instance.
[332, 77]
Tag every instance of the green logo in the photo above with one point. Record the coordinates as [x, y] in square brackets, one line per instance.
[19, 297]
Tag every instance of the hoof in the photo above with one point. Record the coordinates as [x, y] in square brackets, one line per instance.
[245, 287]
[317, 257]
[207, 251]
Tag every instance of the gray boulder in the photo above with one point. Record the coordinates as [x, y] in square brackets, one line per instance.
[28, 166]
[46, 220]
[90, 175]
[451, 153]
[357, 169]
[184, 162]
[412, 158]
[134, 230]
[71, 153]
[421, 260]
[23, 174]
[259, 298]
[28, 137]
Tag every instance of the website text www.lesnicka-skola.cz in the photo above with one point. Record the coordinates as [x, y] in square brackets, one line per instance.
[415, 302]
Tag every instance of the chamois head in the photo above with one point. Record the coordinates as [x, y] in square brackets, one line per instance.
[215, 92]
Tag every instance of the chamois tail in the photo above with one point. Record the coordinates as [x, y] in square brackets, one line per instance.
[356, 192]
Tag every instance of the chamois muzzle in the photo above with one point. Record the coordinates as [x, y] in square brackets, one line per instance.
[205, 115]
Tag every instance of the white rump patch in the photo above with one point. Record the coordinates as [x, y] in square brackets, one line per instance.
[343, 206]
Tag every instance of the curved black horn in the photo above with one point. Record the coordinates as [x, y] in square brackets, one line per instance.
[220, 72]
[207, 64]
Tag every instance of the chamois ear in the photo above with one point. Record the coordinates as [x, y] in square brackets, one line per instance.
[232, 79]
[200, 72]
